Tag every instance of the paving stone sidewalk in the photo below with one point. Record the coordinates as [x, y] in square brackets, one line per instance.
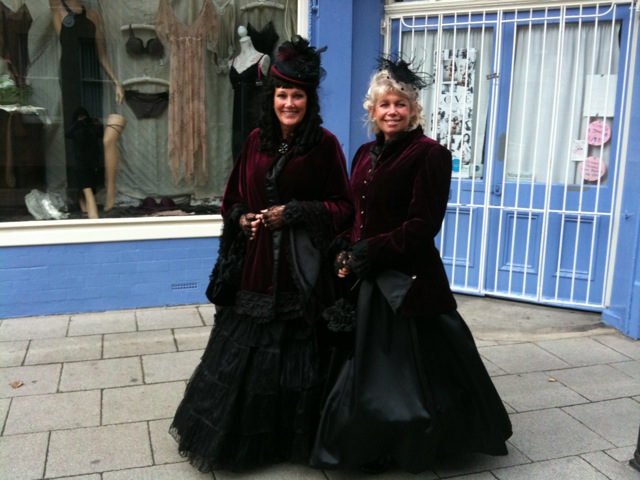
[91, 396]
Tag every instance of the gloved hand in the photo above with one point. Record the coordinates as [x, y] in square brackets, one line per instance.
[273, 217]
[249, 223]
[341, 264]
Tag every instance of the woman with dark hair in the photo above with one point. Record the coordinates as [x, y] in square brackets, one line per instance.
[255, 397]
[413, 386]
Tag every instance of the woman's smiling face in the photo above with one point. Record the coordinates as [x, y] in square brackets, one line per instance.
[290, 105]
[392, 114]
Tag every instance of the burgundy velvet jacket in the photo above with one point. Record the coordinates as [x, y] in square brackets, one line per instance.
[317, 182]
[400, 198]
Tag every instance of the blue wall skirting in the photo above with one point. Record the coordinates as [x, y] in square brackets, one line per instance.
[63, 279]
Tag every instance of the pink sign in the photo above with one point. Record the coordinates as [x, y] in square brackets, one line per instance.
[598, 133]
[593, 169]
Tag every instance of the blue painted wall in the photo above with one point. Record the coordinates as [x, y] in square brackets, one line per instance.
[351, 31]
[46, 280]
[624, 310]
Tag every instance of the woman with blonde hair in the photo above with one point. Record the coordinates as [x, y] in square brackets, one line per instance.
[414, 386]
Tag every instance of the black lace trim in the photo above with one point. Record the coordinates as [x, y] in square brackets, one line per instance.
[315, 216]
[293, 213]
[237, 211]
[262, 309]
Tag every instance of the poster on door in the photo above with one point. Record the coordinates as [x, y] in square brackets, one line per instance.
[455, 108]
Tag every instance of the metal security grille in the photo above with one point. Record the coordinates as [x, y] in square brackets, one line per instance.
[531, 98]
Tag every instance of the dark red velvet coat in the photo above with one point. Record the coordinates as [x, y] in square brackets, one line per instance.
[399, 208]
[318, 180]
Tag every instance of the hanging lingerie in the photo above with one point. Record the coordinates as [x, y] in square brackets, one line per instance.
[263, 40]
[135, 46]
[146, 105]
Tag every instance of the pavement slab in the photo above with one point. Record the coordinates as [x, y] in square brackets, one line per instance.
[129, 344]
[570, 468]
[581, 352]
[472, 463]
[620, 343]
[535, 391]
[12, 353]
[161, 318]
[98, 449]
[522, 358]
[144, 402]
[67, 349]
[102, 322]
[169, 367]
[23, 456]
[118, 372]
[57, 411]
[181, 471]
[552, 433]
[611, 419]
[165, 448]
[192, 338]
[612, 468]
[612, 383]
[29, 380]
[31, 328]
[207, 313]
[283, 471]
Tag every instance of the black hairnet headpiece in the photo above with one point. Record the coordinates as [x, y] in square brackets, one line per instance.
[401, 72]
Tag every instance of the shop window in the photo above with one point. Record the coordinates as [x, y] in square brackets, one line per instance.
[62, 55]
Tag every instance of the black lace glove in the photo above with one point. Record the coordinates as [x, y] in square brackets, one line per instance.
[341, 261]
[245, 224]
[273, 217]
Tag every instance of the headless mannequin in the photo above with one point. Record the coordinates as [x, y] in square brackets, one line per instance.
[248, 55]
[246, 74]
[115, 123]
[58, 12]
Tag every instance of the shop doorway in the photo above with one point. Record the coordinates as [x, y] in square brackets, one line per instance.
[531, 102]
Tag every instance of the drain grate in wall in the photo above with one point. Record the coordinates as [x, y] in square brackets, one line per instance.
[184, 286]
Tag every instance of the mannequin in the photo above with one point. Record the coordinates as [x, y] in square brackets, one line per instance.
[248, 55]
[246, 74]
[82, 54]
[113, 130]
[58, 14]
[85, 134]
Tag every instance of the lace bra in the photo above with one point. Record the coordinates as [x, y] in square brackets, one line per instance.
[135, 46]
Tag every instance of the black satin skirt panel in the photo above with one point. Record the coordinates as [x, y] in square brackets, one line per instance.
[411, 389]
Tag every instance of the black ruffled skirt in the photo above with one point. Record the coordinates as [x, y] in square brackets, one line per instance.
[254, 399]
[410, 390]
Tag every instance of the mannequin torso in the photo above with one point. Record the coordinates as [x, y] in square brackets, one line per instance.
[248, 55]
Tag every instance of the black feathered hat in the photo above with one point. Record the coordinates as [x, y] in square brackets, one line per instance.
[298, 63]
[400, 71]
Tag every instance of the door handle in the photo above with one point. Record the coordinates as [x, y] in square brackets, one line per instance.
[496, 189]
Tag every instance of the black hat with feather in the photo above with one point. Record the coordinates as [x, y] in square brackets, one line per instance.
[298, 63]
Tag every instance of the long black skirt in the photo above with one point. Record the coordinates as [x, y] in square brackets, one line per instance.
[410, 390]
[255, 397]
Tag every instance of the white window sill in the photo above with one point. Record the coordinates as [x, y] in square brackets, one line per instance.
[60, 232]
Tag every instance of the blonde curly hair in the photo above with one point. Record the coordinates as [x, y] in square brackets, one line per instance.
[382, 83]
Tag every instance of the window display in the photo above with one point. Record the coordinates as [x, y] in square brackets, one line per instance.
[159, 78]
